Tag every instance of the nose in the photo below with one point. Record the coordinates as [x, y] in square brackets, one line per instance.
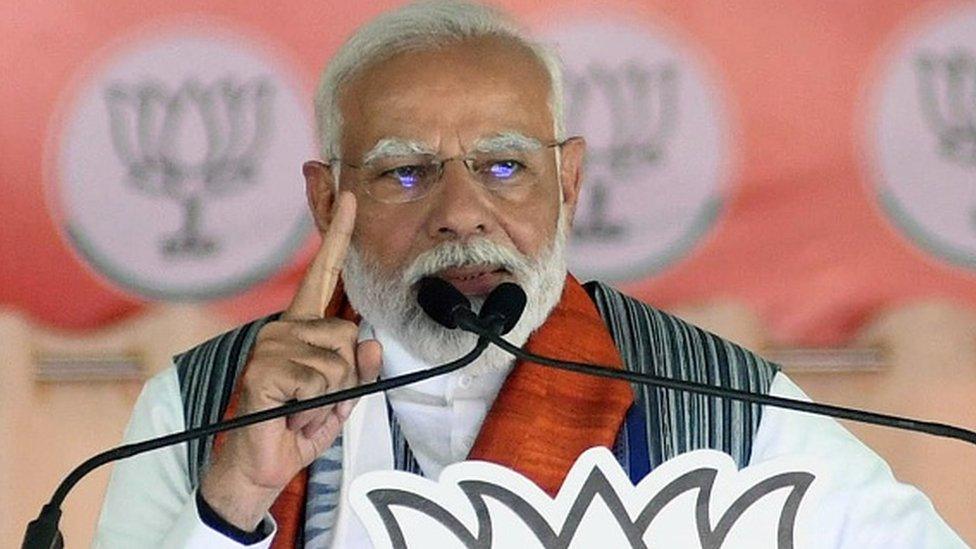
[460, 207]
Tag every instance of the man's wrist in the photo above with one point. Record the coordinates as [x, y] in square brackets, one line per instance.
[234, 500]
[209, 516]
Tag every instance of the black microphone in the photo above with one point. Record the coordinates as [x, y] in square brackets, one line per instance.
[503, 307]
[443, 302]
[853, 414]
[447, 306]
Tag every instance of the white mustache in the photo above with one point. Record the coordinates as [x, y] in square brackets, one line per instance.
[456, 254]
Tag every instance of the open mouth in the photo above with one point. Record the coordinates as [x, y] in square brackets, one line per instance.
[475, 280]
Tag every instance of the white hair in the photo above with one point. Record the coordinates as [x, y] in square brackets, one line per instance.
[420, 26]
[389, 301]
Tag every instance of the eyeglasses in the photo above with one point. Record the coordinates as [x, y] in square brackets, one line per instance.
[510, 173]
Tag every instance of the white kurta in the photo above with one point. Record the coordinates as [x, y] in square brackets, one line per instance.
[150, 503]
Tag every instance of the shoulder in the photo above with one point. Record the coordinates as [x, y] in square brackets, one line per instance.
[639, 328]
[158, 409]
[861, 503]
[616, 306]
[228, 348]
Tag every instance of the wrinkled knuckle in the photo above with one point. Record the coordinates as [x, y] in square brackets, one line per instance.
[318, 443]
[252, 376]
[267, 348]
[321, 383]
[310, 378]
[272, 340]
[329, 322]
[282, 326]
[249, 395]
[348, 330]
[266, 332]
[296, 329]
[333, 377]
[281, 348]
[347, 377]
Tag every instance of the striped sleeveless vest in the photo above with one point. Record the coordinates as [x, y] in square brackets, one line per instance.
[659, 425]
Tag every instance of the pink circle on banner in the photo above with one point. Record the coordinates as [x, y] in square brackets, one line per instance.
[657, 146]
[922, 137]
[175, 161]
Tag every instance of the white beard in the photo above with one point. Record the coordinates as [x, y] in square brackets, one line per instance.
[390, 303]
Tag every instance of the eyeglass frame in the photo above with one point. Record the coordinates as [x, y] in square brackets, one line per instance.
[466, 159]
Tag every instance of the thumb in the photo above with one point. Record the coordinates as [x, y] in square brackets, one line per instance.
[369, 360]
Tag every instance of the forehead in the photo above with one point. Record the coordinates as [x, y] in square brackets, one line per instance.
[447, 97]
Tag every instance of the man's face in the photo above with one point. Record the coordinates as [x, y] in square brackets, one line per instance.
[458, 101]
[447, 101]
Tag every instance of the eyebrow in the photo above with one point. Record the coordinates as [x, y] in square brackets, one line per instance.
[502, 141]
[506, 141]
[395, 146]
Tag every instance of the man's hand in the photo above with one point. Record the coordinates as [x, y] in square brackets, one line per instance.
[301, 356]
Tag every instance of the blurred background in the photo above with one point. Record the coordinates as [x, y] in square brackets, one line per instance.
[796, 175]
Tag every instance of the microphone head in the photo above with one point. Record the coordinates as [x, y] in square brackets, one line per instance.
[440, 299]
[504, 305]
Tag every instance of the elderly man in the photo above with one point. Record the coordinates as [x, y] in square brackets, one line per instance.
[442, 128]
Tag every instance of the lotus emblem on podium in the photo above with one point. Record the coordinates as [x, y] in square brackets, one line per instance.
[947, 92]
[189, 145]
[697, 499]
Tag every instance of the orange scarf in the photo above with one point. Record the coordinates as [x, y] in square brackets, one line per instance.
[575, 411]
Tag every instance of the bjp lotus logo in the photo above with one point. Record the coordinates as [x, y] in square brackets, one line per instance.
[197, 143]
[696, 499]
[922, 132]
[947, 96]
[157, 136]
[641, 102]
[657, 147]
[173, 176]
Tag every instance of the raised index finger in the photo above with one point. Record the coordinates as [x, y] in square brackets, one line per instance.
[316, 287]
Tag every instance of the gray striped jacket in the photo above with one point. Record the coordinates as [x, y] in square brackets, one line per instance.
[659, 425]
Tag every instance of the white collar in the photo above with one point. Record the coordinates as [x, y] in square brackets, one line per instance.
[398, 361]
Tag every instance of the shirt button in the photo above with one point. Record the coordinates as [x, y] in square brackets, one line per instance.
[464, 381]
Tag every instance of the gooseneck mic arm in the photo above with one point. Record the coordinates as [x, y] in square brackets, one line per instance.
[43, 533]
[446, 305]
[863, 416]
[498, 317]
[468, 321]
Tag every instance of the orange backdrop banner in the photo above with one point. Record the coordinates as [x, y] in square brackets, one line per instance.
[814, 160]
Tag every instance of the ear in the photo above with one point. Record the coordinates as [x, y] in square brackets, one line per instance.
[320, 191]
[572, 155]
